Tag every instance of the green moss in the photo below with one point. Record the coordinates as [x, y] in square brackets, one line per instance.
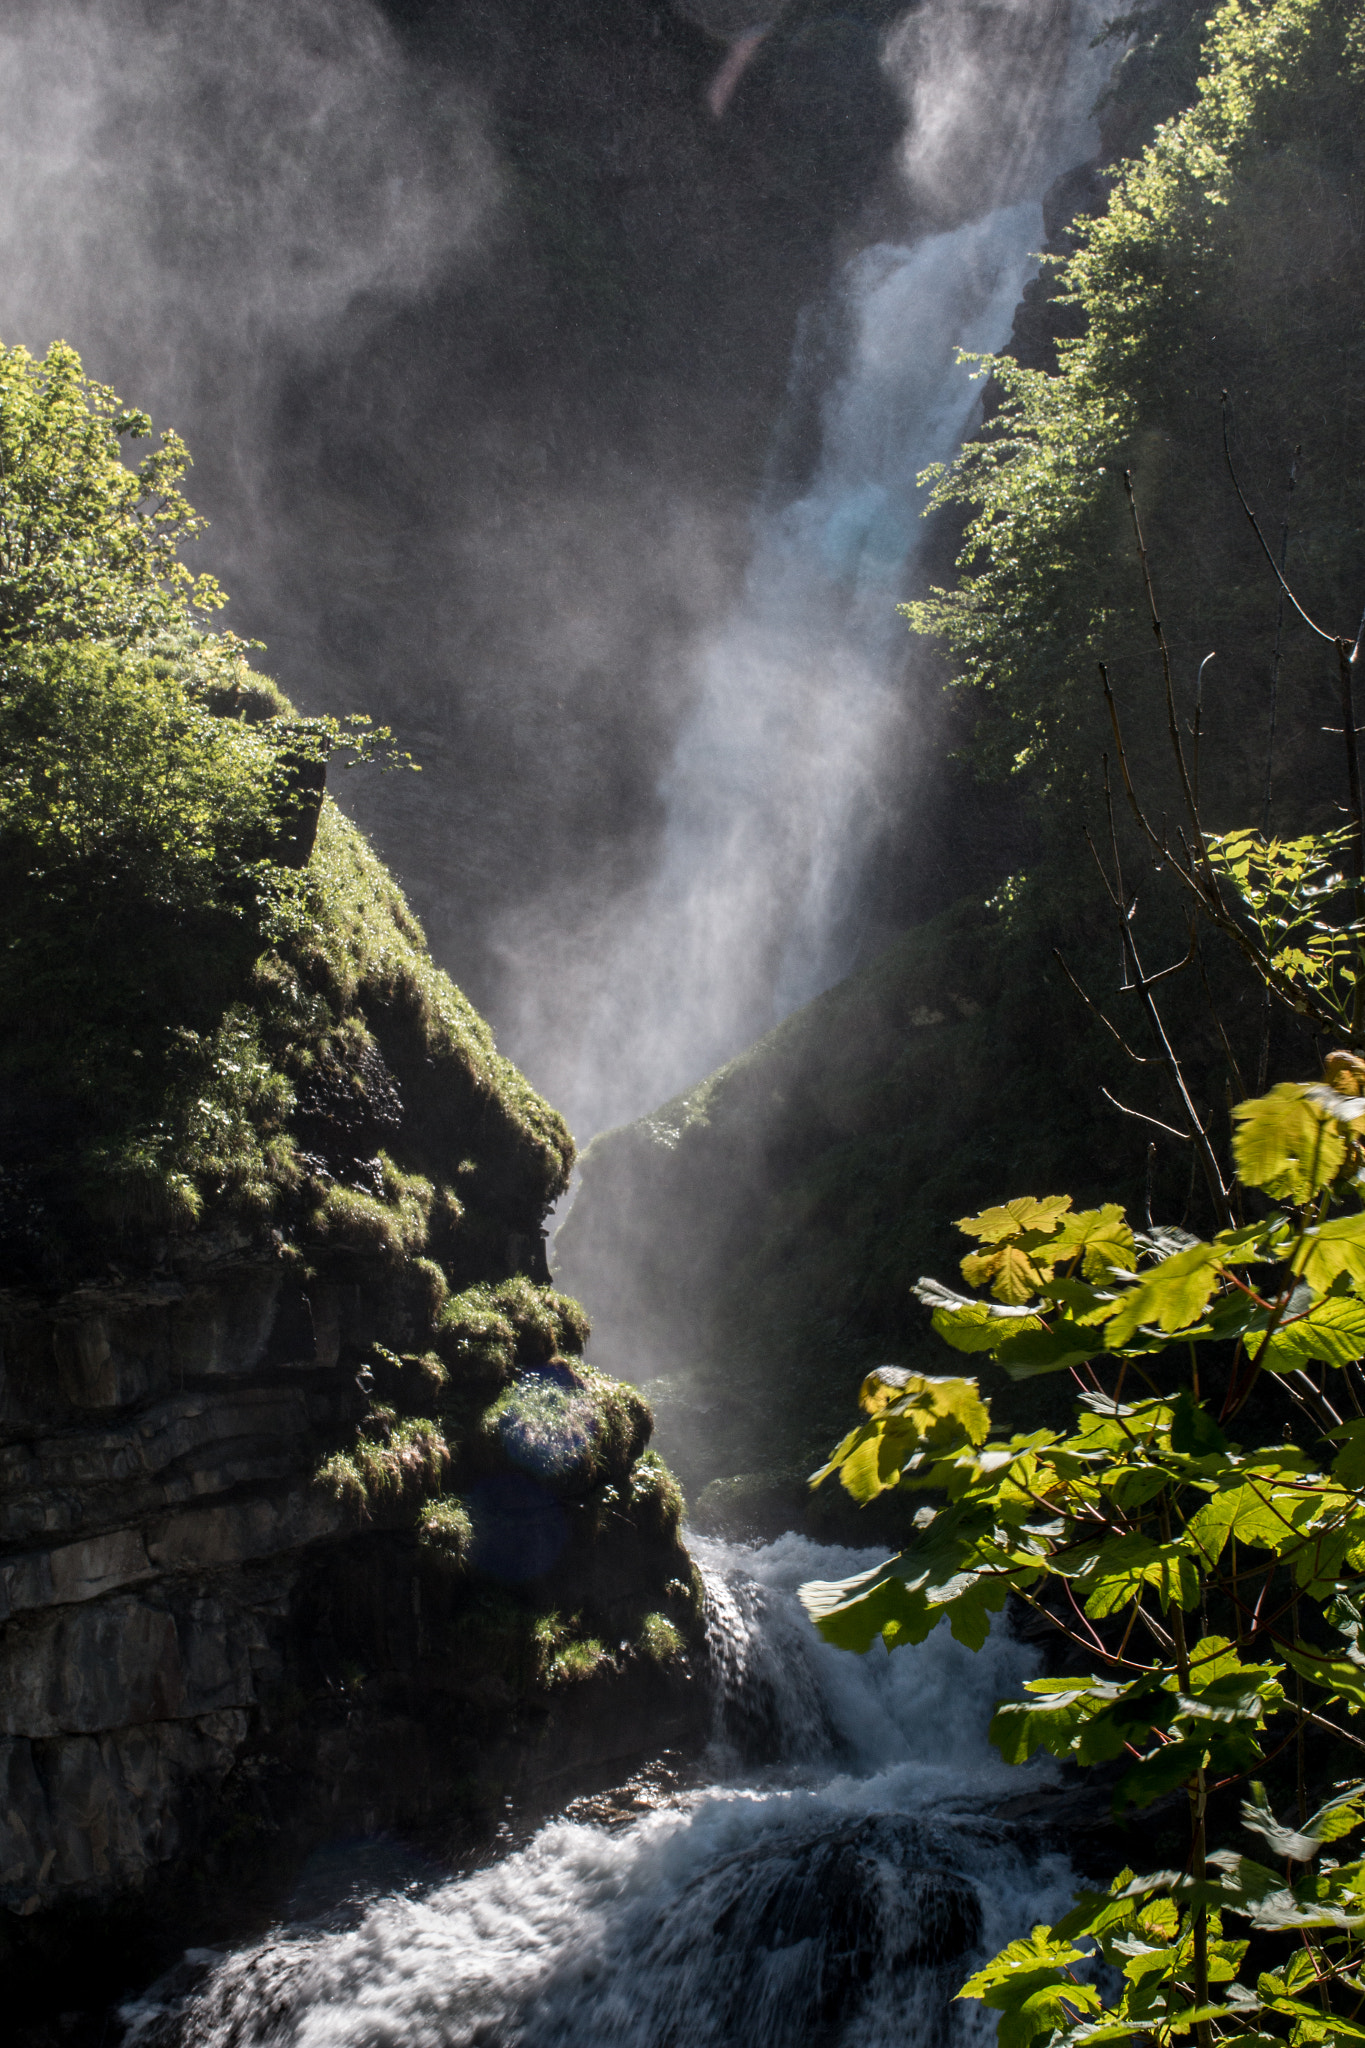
[344, 920]
[394, 1461]
[446, 1533]
[659, 1640]
[184, 1042]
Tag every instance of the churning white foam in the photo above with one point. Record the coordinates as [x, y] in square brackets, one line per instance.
[838, 1891]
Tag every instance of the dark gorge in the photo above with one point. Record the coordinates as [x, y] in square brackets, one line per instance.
[446, 1217]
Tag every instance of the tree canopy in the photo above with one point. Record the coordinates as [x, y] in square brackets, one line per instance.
[1223, 284]
[89, 545]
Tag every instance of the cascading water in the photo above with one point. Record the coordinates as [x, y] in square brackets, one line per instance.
[830, 1883]
[773, 795]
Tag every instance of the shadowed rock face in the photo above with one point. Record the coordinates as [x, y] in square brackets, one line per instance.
[204, 1653]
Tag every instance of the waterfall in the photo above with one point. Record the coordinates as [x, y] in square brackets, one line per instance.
[830, 1877]
[778, 781]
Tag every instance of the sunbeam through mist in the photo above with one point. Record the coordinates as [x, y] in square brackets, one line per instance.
[663, 704]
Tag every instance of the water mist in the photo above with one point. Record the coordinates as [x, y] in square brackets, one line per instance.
[802, 692]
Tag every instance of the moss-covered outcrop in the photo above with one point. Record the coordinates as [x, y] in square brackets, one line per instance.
[314, 1519]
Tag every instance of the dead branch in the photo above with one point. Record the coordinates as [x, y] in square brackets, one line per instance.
[1183, 1137]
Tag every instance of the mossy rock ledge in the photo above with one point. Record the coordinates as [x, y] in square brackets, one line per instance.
[316, 1523]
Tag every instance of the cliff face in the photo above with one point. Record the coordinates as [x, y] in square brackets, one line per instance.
[756, 1240]
[208, 1660]
[314, 1521]
[190, 1620]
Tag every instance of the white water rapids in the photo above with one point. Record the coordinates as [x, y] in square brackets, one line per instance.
[837, 1896]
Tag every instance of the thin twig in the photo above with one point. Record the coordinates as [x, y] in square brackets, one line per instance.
[1172, 721]
[1275, 664]
[1199, 715]
[1312, 624]
[1139, 1059]
[1142, 1117]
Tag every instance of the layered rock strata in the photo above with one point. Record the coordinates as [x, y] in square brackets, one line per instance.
[205, 1652]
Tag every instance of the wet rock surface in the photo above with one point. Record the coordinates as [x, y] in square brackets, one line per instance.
[825, 1914]
[209, 1665]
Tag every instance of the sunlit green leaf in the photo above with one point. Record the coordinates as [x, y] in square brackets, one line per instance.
[1172, 1295]
[1012, 1219]
[1333, 1332]
[1285, 1143]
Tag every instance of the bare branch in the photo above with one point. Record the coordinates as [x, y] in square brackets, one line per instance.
[1172, 721]
[1138, 1058]
[1150, 980]
[1155, 1121]
[1199, 713]
[1312, 624]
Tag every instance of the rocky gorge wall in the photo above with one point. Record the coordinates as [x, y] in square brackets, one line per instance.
[207, 1655]
[315, 1523]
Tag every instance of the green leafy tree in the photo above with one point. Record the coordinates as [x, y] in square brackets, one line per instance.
[113, 773]
[159, 806]
[89, 546]
[1227, 261]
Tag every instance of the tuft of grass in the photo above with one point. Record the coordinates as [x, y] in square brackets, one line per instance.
[655, 1495]
[490, 1328]
[445, 1532]
[475, 1338]
[575, 1429]
[659, 1640]
[561, 1655]
[551, 1427]
[627, 1421]
[578, 1660]
[431, 1368]
[432, 1286]
[396, 1461]
[393, 1226]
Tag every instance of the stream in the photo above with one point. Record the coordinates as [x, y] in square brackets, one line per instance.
[828, 1877]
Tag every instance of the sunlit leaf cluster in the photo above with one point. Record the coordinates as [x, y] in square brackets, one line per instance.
[1213, 1586]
